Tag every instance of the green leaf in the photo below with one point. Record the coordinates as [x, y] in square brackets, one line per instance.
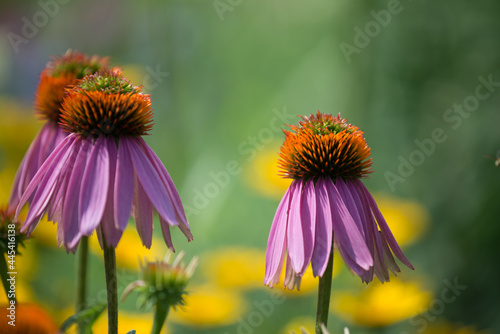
[87, 316]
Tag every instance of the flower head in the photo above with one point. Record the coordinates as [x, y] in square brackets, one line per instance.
[327, 204]
[323, 145]
[163, 281]
[59, 74]
[103, 171]
[106, 104]
[10, 236]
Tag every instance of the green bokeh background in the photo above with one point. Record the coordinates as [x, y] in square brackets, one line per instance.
[228, 71]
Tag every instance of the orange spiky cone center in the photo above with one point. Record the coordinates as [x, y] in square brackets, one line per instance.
[323, 145]
[60, 73]
[106, 104]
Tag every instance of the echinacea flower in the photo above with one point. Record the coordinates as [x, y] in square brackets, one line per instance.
[162, 284]
[163, 281]
[10, 236]
[58, 74]
[327, 204]
[103, 171]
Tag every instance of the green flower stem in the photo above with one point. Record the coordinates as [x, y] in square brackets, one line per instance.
[161, 312]
[81, 280]
[3, 272]
[112, 290]
[324, 290]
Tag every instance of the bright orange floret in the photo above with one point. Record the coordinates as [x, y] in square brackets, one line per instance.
[323, 145]
[106, 103]
[59, 73]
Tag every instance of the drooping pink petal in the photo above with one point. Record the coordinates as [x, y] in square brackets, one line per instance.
[165, 229]
[386, 231]
[346, 231]
[57, 158]
[275, 279]
[186, 231]
[49, 141]
[44, 182]
[54, 210]
[60, 235]
[111, 232]
[70, 219]
[28, 168]
[277, 238]
[124, 186]
[323, 233]
[150, 180]
[292, 280]
[73, 248]
[94, 189]
[40, 149]
[167, 181]
[308, 219]
[351, 206]
[349, 261]
[389, 259]
[374, 238]
[296, 235]
[143, 215]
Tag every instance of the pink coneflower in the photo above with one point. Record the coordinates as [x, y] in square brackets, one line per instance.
[58, 74]
[103, 171]
[328, 204]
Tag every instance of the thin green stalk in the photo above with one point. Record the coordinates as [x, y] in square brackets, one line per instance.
[5, 277]
[111, 286]
[81, 280]
[161, 312]
[324, 290]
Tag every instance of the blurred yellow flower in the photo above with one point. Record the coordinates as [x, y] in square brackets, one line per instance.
[407, 219]
[210, 306]
[262, 174]
[141, 322]
[234, 267]
[443, 327]
[243, 268]
[382, 304]
[130, 249]
[296, 324]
